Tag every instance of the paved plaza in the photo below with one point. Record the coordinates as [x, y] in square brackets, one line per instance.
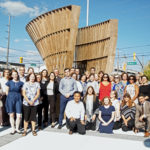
[60, 139]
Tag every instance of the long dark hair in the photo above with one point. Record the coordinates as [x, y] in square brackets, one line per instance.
[105, 74]
[46, 73]
[28, 77]
[94, 94]
[54, 76]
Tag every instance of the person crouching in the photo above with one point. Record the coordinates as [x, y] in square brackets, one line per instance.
[75, 113]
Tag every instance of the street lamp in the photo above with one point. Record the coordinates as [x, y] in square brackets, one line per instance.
[87, 15]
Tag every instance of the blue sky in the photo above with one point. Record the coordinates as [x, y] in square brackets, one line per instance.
[133, 29]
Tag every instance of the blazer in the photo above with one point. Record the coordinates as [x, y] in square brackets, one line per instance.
[96, 105]
[55, 89]
[139, 111]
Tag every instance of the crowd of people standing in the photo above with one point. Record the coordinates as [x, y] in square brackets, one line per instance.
[88, 101]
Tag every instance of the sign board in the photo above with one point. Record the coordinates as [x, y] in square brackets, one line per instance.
[132, 63]
[33, 65]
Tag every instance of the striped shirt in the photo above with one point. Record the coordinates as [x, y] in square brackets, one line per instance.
[127, 111]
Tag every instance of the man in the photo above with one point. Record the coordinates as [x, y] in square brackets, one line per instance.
[22, 74]
[58, 78]
[67, 87]
[56, 72]
[92, 70]
[142, 117]
[72, 70]
[77, 71]
[75, 113]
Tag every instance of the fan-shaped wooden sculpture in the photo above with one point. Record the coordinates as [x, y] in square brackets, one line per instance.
[96, 46]
[54, 34]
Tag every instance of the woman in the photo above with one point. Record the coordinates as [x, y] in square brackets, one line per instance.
[91, 105]
[145, 87]
[14, 101]
[106, 116]
[132, 89]
[79, 86]
[40, 106]
[100, 75]
[30, 70]
[124, 79]
[96, 78]
[87, 73]
[127, 113]
[31, 93]
[105, 87]
[3, 81]
[45, 78]
[83, 83]
[116, 103]
[52, 91]
[93, 83]
[118, 86]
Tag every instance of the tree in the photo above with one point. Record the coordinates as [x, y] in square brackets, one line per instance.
[147, 71]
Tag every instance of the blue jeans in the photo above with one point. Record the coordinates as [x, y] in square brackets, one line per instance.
[63, 103]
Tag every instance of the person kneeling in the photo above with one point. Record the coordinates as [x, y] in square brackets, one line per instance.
[142, 117]
[106, 116]
[75, 113]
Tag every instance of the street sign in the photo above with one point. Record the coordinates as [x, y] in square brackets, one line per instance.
[132, 63]
[33, 65]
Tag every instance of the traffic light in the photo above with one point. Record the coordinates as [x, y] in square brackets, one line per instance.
[134, 56]
[21, 59]
[124, 67]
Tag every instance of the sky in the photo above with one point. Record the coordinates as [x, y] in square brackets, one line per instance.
[133, 28]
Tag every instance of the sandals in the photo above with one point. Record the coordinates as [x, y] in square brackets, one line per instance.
[34, 133]
[24, 133]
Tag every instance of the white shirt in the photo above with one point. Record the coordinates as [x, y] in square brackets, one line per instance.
[3, 82]
[75, 110]
[89, 107]
[22, 79]
[79, 86]
[116, 104]
[50, 87]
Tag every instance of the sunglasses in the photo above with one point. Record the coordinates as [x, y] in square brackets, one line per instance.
[105, 77]
[131, 79]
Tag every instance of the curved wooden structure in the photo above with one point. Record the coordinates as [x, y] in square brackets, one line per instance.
[96, 46]
[54, 34]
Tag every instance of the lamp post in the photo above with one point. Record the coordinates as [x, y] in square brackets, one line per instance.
[87, 15]
[8, 41]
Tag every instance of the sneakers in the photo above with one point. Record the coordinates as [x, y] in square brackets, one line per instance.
[60, 126]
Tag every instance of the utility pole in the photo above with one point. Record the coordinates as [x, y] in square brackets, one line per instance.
[118, 61]
[8, 41]
[87, 15]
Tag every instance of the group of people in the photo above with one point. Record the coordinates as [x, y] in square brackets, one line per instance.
[89, 101]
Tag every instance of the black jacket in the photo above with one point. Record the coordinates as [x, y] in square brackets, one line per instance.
[55, 89]
[96, 105]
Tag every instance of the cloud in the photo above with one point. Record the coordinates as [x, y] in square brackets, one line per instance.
[17, 8]
[16, 40]
[21, 40]
[26, 40]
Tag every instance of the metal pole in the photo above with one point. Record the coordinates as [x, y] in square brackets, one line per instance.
[87, 15]
[8, 41]
[118, 62]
